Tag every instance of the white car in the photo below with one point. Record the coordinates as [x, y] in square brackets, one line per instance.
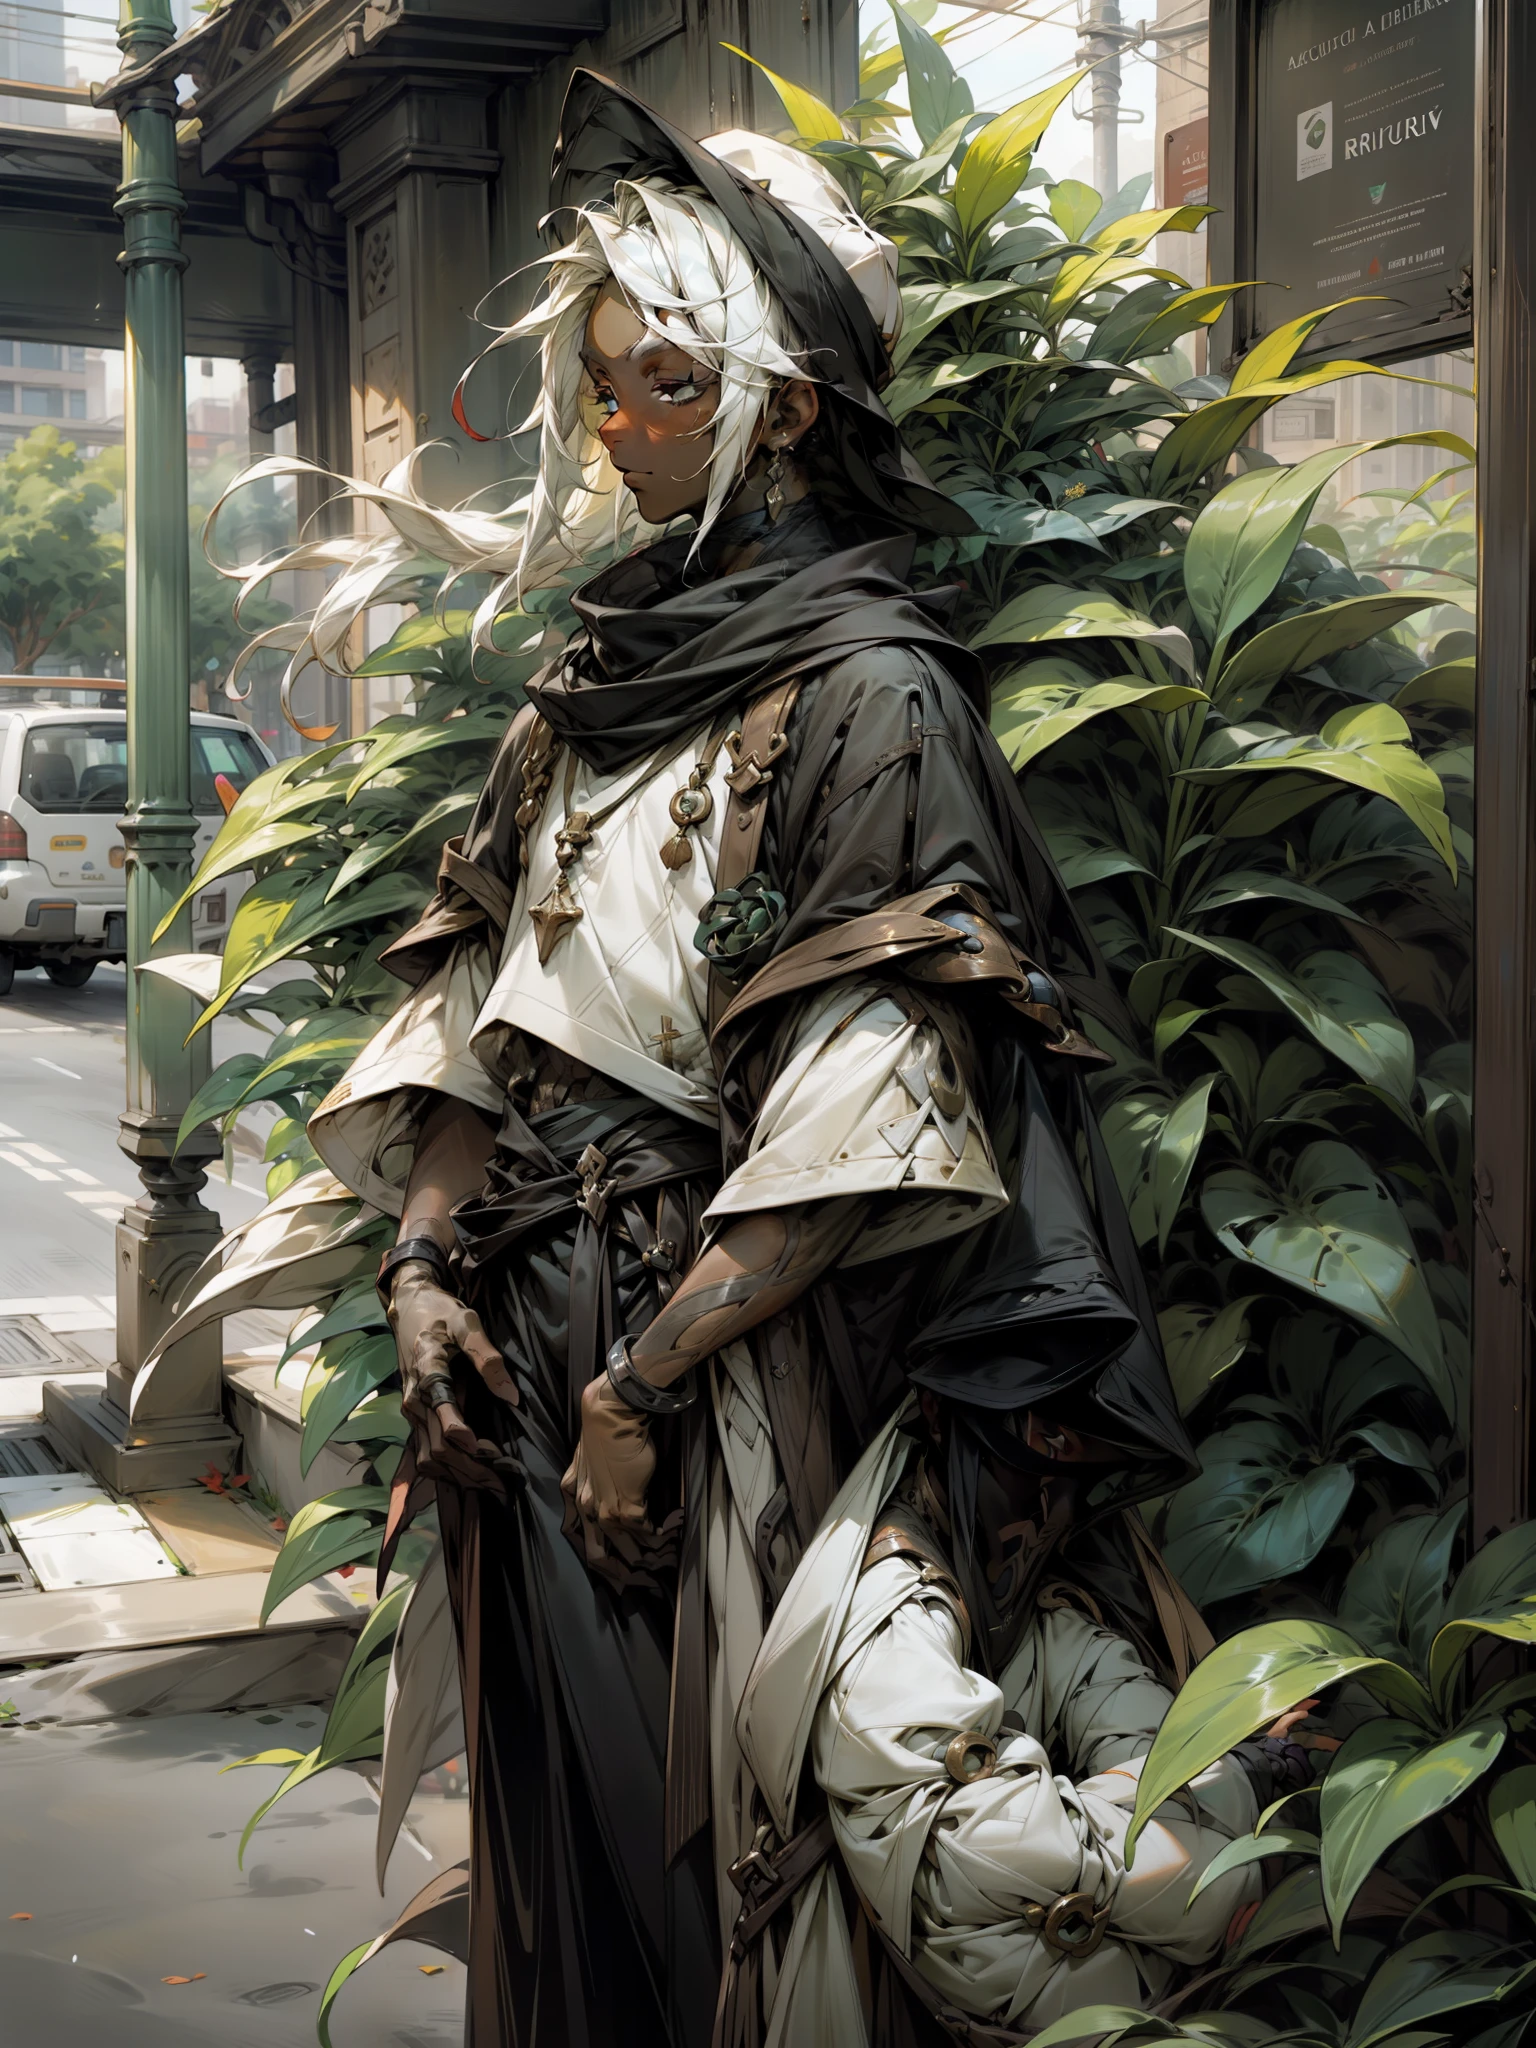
[63, 788]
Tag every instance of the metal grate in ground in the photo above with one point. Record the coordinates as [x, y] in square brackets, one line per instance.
[26, 1346]
[25, 1449]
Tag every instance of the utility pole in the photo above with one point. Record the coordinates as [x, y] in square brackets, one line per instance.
[1102, 37]
[176, 1428]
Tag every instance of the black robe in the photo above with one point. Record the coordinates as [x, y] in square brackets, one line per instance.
[593, 1899]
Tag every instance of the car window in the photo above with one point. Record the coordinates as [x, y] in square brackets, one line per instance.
[76, 767]
[230, 753]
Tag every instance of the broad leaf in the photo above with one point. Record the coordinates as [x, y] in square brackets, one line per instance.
[997, 162]
[1336, 1235]
[1495, 1596]
[219, 1094]
[1258, 1511]
[1245, 1685]
[936, 95]
[1240, 545]
[1248, 1849]
[365, 1366]
[1201, 1344]
[436, 826]
[229, 857]
[1028, 718]
[1178, 1144]
[925, 307]
[413, 648]
[1273, 356]
[1438, 1974]
[1054, 611]
[1130, 233]
[812, 119]
[1512, 1815]
[1337, 1000]
[424, 736]
[1388, 1777]
[1304, 638]
[298, 922]
[1074, 207]
[1394, 1596]
[326, 1533]
[915, 387]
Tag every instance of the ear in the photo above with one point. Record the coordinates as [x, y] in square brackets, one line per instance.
[795, 410]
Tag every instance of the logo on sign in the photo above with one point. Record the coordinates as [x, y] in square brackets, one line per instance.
[1376, 192]
[1314, 141]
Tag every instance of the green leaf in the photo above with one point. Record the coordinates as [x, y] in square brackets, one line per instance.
[1240, 545]
[1437, 1974]
[325, 1533]
[927, 306]
[1273, 356]
[1258, 885]
[413, 737]
[1210, 433]
[1130, 233]
[1337, 1000]
[938, 97]
[413, 648]
[1394, 1595]
[913, 388]
[1245, 1685]
[360, 1309]
[227, 859]
[1336, 1235]
[1028, 718]
[1074, 207]
[1452, 685]
[1305, 638]
[1512, 1816]
[1258, 1511]
[335, 1984]
[812, 119]
[393, 847]
[1173, 1160]
[222, 1090]
[1496, 1596]
[1251, 1849]
[1388, 1777]
[366, 1365]
[379, 1420]
[283, 929]
[997, 162]
[1055, 611]
[1201, 1344]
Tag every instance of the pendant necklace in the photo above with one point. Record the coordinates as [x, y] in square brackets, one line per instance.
[692, 805]
[553, 918]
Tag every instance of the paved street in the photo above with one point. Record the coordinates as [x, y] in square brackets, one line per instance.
[63, 1180]
[118, 1837]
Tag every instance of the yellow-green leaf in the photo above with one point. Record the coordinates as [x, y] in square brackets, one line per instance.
[1055, 611]
[812, 119]
[1029, 720]
[997, 162]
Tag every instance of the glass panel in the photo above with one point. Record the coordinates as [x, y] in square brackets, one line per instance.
[230, 754]
[76, 767]
[41, 355]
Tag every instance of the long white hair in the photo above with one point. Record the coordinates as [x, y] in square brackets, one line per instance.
[683, 272]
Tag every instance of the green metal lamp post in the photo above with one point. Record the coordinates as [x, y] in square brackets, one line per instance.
[175, 1429]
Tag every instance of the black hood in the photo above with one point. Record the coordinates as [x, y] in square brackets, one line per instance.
[606, 134]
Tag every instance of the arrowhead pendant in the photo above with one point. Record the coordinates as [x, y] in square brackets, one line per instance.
[553, 918]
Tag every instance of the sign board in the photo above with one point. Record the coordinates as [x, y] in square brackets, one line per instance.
[1187, 164]
[1364, 135]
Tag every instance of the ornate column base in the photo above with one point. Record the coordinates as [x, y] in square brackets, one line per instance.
[176, 1429]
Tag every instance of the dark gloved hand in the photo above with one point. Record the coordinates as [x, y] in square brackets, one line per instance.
[433, 1329]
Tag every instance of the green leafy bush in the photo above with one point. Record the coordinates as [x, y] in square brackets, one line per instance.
[1249, 754]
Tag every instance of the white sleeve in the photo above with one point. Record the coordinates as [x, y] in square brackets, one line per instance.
[869, 1102]
[950, 1868]
[367, 1127]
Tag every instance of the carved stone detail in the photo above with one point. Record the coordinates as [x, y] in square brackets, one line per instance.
[377, 269]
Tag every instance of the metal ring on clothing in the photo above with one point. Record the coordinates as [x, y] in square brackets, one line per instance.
[637, 1392]
[1055, 1923]
[438, 1390]
[970, 1757]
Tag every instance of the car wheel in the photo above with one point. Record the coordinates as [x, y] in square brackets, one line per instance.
[7, 970]
[69, 973]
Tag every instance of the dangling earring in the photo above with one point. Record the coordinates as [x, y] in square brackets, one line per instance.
[775, 480]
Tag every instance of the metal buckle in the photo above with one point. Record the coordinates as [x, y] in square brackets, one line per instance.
[595, 1191]
[1070, 1907]
[970, 1757]
[755, 1869]
[750, 772]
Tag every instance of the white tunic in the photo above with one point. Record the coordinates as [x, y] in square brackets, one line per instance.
[626, 991]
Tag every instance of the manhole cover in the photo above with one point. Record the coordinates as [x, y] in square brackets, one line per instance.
[27, 1347]
[277, 1994]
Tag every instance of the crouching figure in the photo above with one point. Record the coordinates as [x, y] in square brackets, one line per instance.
[984, 1647]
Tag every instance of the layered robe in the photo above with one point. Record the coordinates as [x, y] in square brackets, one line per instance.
[611, 1790]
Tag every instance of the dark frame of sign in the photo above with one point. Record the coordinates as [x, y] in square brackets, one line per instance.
[1425, 315]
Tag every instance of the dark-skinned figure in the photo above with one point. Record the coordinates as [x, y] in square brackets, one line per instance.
[735, 1102]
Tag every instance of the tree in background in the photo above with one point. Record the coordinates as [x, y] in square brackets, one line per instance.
[61, 570]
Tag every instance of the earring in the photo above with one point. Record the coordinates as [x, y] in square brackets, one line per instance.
[775, 480]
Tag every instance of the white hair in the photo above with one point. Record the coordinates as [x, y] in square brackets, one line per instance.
[672, 256]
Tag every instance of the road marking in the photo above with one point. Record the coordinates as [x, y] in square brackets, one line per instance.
[41, 1154]
[96, 1196]
[246, 1189]
[16, 1159]
[7, 1132]
[79, 1173]
[68, 1072]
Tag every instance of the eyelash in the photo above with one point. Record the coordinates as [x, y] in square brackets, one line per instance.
[681, 392]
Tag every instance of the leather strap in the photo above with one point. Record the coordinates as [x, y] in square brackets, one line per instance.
[754, 752]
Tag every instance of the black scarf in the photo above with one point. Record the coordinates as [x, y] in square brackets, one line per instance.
[668, 642]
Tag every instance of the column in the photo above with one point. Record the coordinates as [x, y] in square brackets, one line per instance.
[167, 1430]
